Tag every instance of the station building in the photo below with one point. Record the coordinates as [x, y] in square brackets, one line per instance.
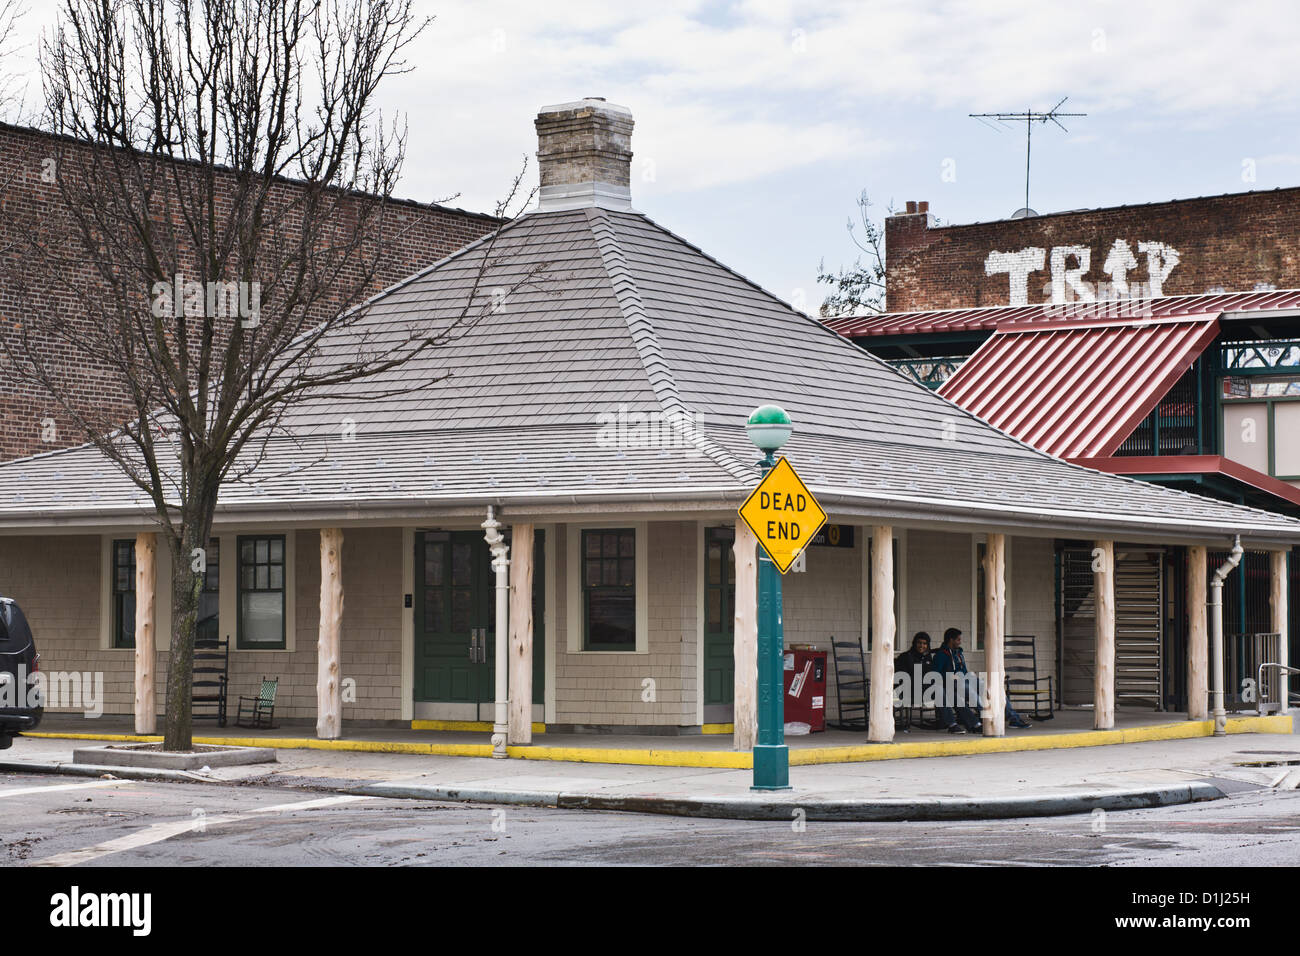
[1159, 342]
[597, 412]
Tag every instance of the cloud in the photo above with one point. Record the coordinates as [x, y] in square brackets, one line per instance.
[745, 91]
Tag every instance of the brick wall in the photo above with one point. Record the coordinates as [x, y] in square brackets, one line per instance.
[414, 235]
[1232, 243]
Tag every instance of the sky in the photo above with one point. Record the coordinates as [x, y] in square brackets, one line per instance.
[759, 122]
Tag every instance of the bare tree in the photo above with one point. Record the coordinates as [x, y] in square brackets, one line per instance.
[861, 287]
[224, 174]
[10, 13]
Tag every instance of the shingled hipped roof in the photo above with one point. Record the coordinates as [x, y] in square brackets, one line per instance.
[628, 320]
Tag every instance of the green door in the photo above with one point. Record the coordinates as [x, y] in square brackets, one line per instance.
[719, 616]
[453, 611]
[455, 619]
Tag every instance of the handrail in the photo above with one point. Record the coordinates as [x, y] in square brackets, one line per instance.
[1259, 681]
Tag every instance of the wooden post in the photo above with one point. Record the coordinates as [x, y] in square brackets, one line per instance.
[1103, 688]
[880, 727]
[146, 576]
[1198, 636]
[994, 719]
[745, 700]
[1278, 610]
[329, 686]
[520, 721]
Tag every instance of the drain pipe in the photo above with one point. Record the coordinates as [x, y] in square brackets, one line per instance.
[1216, 634]
[500, 564]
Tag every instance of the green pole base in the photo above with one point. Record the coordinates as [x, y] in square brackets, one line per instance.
[771, 767]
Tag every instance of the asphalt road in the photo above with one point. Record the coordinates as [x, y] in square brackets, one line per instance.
[60, 820]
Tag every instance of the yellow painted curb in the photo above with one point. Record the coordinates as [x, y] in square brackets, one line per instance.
[732, 760]
[472, 726]
[303, 743]
[715, 759]
[1183, 730]
[717, 728]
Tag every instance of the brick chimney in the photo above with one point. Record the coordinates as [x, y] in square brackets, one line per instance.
[584, 152]
[906, 233]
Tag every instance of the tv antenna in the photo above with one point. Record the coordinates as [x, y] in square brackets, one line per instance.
[1029, 118]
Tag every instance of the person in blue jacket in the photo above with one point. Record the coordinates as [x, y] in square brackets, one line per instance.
[949, 659]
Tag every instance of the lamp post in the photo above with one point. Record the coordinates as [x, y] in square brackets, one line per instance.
[769, 428]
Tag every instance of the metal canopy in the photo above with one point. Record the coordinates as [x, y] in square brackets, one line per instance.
[1077, 392]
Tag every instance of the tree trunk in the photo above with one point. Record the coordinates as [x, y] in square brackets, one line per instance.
[1103, 693]
[745, 698]
[880, 696]
[187, 587]
[520, 720]
[146, 632]
[329, 689]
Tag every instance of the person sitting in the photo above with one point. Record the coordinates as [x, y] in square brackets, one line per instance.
[950, 659]
[915, 662]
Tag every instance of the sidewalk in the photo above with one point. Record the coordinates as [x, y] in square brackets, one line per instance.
[1070, 729]
[983, 786]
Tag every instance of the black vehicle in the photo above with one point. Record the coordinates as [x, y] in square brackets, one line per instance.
[20, 704]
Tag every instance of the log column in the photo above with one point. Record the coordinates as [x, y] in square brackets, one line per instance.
[880, 727]
[146, 577]
[1103, 691]
[1198, 636]
[520, 698]
[1278, 610]
[745, 699]
[995, 606]
[329, 685]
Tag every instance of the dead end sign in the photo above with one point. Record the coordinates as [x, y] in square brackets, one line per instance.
[783, 514]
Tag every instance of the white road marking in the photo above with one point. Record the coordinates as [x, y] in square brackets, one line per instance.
[165, 831]
[310, 804]
[20, 791]
[1289, 780]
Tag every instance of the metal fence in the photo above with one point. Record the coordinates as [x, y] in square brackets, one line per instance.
[1243, 653]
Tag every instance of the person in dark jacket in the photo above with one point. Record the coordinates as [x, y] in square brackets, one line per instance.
[950, 659]
[915, 662]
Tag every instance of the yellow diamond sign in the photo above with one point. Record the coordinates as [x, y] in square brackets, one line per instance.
[783, 514]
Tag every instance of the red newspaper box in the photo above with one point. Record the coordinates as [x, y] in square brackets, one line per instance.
[805, 687]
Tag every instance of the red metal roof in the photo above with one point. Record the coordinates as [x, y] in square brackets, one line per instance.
[1077, 391]
[987, 319]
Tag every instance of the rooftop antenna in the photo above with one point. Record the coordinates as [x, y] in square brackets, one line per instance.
[1029, 118]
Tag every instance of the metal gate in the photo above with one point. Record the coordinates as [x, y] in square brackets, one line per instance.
[1139, 626]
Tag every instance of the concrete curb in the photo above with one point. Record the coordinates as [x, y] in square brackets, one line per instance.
[133, 755]
[92, 770]
[725, 808]
[864, 811]
[733, 760]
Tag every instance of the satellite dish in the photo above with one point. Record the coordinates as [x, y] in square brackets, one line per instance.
[1024, 212]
